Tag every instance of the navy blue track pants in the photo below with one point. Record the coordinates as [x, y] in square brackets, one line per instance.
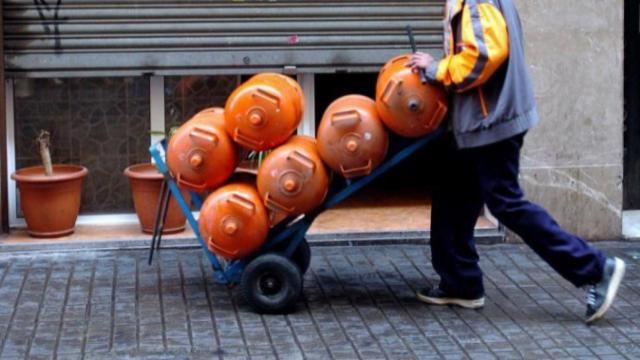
[465, 180]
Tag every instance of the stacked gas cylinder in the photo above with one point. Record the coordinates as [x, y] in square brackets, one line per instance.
[263, 114]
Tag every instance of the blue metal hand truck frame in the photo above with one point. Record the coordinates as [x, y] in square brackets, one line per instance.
[271, 278]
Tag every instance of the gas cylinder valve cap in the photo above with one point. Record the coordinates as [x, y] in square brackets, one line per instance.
[230, 227]
[290, 185]
[256, 119]
[414, 105]
[196, 161]
[352, 146]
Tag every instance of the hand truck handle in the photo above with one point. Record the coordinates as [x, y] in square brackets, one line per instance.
[414, 49]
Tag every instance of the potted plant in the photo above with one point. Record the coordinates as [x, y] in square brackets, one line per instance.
[50, 194]
[146, 184]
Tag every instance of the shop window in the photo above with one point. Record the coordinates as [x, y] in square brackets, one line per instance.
[187, 95]
[100, 123]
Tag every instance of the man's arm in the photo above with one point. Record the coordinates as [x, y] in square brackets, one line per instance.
[485, 46]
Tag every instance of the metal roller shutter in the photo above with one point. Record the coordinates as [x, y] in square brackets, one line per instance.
[171, 37]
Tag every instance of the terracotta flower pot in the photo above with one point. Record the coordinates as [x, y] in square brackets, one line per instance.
[50, 203]
[146, 183]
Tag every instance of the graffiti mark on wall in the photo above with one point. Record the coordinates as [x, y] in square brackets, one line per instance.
[50, 19]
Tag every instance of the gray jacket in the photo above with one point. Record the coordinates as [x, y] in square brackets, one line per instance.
[491, 93]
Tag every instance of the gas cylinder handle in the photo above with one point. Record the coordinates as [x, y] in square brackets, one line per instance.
[357, 171]
[276, 206]
[404, 58]
[268, 95]
[220, 250]
[247, 141]
[302, 159]
[242, 202]
[414, 49]
[185, 183]
[204, 134]
[348, 118]
[438, 115]
[389, 90]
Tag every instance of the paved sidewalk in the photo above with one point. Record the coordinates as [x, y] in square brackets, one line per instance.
[359, 303]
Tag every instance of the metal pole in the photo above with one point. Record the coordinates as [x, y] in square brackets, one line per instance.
[4, 191]
[158, 224]
[163, 215]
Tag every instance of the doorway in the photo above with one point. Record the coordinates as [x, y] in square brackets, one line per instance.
[397, 205]
[631, 186]
[632, 105]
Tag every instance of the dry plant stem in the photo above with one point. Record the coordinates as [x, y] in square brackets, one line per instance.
[44, 142]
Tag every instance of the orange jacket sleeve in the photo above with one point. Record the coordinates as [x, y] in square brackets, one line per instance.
[484, 47]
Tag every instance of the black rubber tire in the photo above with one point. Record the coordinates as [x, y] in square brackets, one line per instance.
[271, 284]
[302, 256]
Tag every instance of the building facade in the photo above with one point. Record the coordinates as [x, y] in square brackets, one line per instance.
[109, 78]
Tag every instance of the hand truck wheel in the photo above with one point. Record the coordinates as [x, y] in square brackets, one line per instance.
[272, 284]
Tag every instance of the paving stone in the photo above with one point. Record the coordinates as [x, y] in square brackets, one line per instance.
[358, 304]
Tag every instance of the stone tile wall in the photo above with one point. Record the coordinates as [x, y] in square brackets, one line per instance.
[572, 162]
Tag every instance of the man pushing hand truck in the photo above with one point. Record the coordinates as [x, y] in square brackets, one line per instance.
[492, 107]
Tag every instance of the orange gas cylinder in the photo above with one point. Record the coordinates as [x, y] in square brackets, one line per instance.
[351, 138]
[264, 111]
[233, 221]
[200, 154]
[406, 106]
[286, 83]
[292, 180]
[213, 115]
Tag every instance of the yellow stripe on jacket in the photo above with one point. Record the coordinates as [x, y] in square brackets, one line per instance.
[483, 48]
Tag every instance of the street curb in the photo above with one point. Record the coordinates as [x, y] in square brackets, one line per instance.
[484, 237]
